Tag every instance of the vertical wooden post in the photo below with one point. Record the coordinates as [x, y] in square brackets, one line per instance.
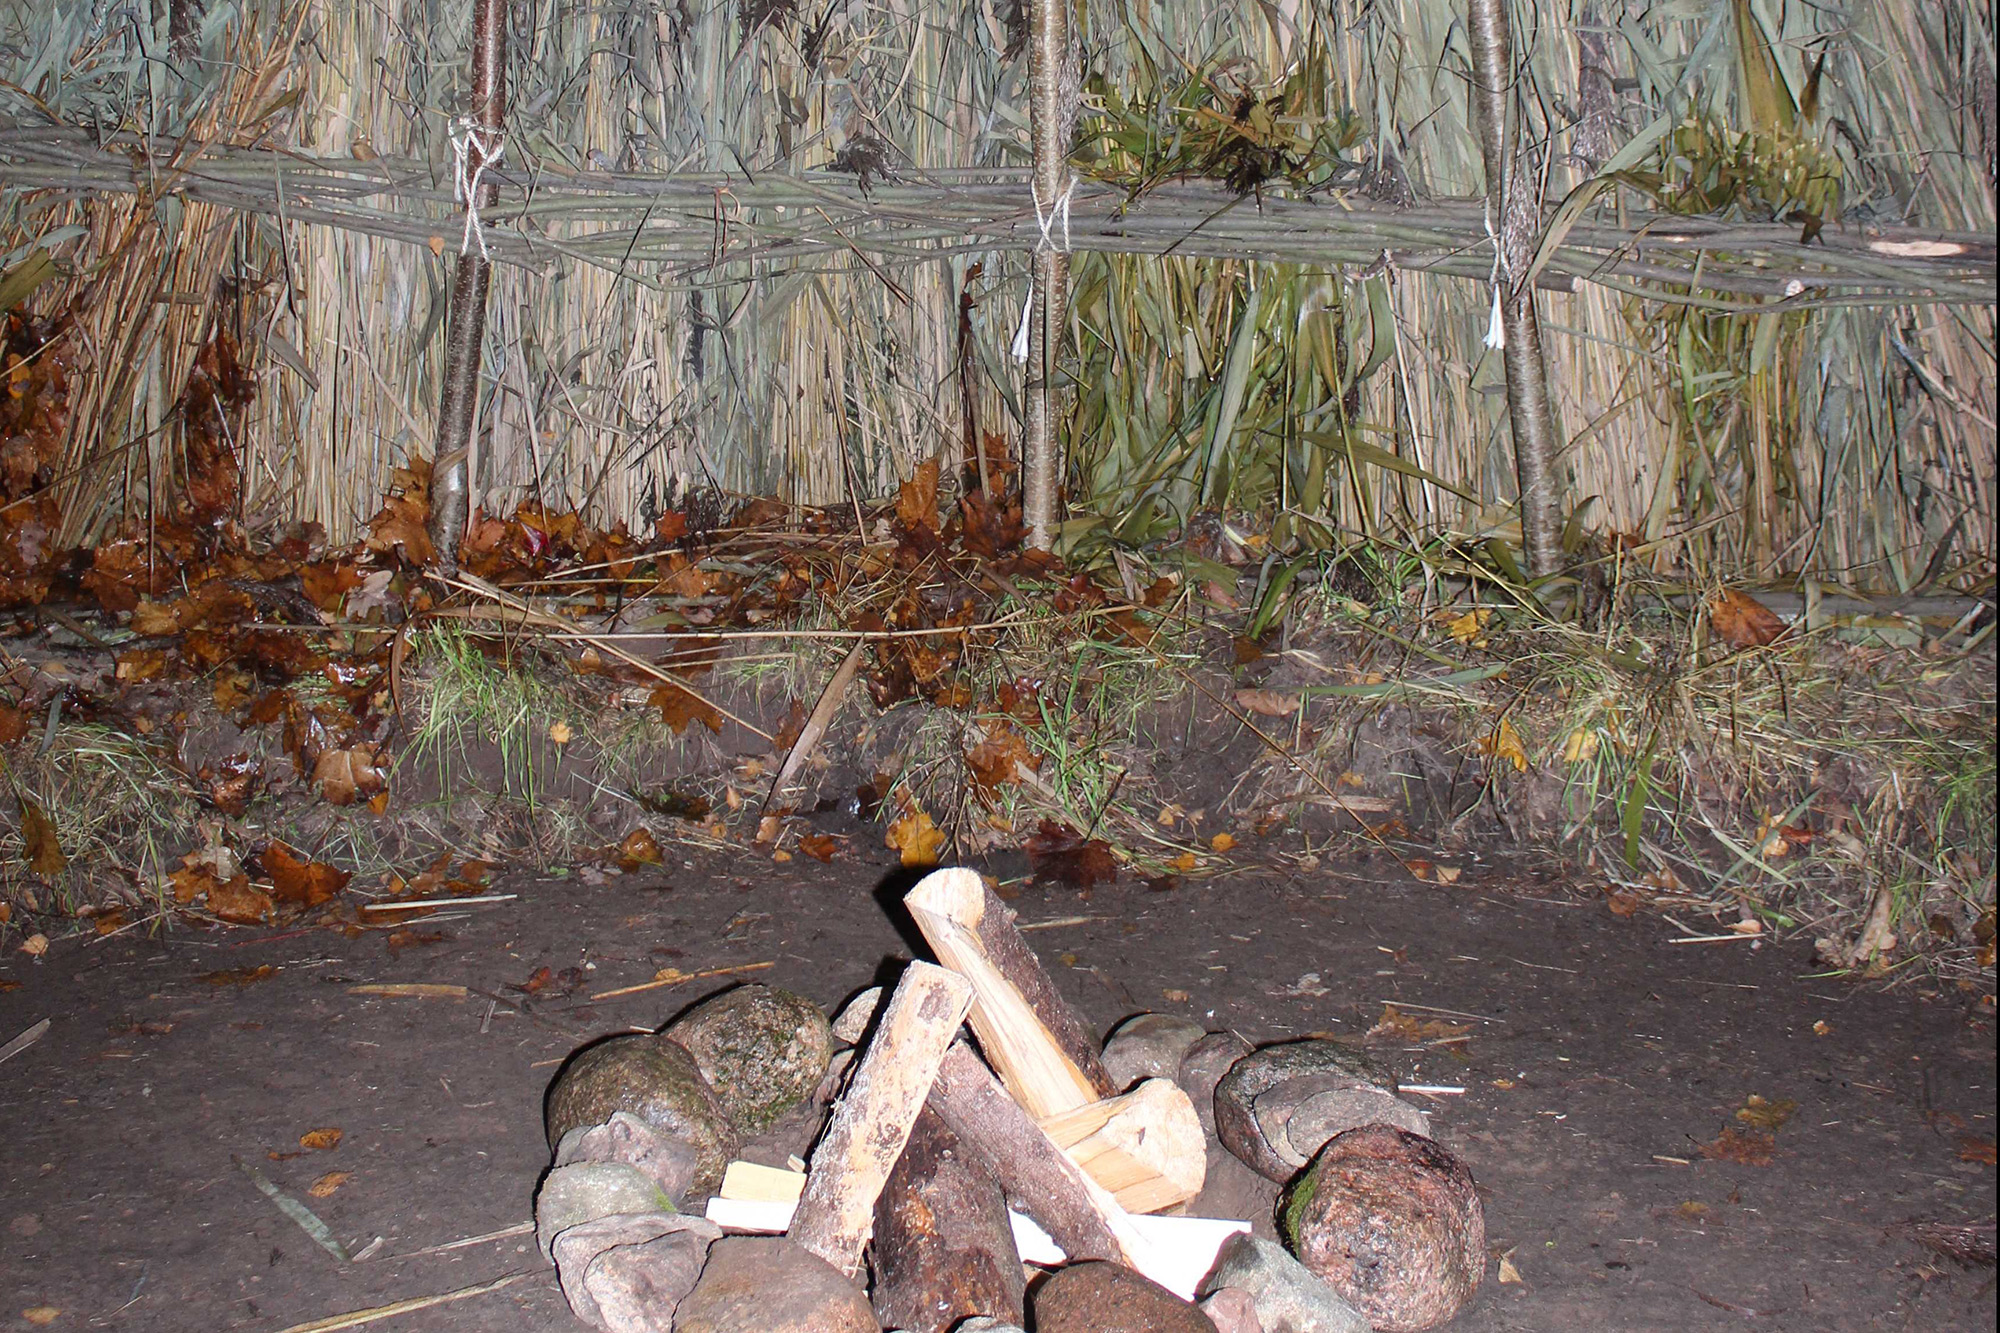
[477, 146]
[1516, 230]
[1052, 97]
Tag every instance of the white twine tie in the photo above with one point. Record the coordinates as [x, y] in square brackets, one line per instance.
[1496, 328]
[1045, 219]
[470, 157]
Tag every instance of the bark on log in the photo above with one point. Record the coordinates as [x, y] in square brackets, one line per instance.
[870, 1126]
[1035, 1042]
[1145, 1146]
[1039, 1178]
[944, 1246]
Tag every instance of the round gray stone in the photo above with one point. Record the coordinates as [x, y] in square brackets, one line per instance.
[763, 1050]
[1148, 1046]
[1255, 1100]
[656, 1080]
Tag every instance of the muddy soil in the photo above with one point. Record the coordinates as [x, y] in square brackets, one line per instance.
[1597, 1061]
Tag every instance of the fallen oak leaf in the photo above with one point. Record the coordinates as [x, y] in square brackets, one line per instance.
[40, 847]
[1758, 1113]
[1743, 621]
[1748, 1147]
[1267, 703]
[237, 901]
[679, 706]
[326, 1185]
[345, 776]
[915, 838]
[297, 880]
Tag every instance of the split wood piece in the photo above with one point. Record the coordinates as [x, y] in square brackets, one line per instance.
[809, 736]
[1033, 1039]
[944, 1243]
[1145, 1146]
[864, 1138]
[1079, 1214]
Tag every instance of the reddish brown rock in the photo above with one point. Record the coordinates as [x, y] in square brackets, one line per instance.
[1098, 1297]
[1392, 1221]
[767, 1284]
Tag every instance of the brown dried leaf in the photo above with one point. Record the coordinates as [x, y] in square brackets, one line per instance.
[297, 880]
[916, 499]
[1267, 703]
[916, 838]
[1743, 621]
[321, 1140]
[1058, 852]
[1766, 1115]
[1396, 1025]
[402, 526]
[239, 976]
[236, 901]
[345, 776]
[40, 847]
[678, 707]
[1748, 1147]
[1972, 1149]
[13, 724]
[157, 618]
[996, 759]
[819, 846]
[326, 1185]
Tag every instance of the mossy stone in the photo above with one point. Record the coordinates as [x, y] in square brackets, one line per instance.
[658, 1081]
[763, 1050]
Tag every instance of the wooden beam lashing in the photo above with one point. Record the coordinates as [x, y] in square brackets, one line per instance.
[1079, 1214]
[1032, 1038]
[869, 1127]
[944, 1245]
[1145, 1146]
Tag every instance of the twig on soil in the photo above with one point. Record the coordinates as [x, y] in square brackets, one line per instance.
[464, 1242]
[23, 1041]
[404, 906]
[356, 1318]
[679, 978]
[1433, 1009]
[307, 1220]
[411, 990]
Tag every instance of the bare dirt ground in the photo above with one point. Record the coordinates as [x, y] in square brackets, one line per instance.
[1597, 1061]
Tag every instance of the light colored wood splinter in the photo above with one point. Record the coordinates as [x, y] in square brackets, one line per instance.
[1145, 1146]
[866, 1135]
[1032, 1039]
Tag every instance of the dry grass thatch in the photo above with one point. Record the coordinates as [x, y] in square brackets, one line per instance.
[1720, 431]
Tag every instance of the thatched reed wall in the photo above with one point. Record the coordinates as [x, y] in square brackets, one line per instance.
[1852, 443]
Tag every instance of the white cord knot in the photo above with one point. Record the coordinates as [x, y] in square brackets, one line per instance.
[1046, 220]
[473, 150]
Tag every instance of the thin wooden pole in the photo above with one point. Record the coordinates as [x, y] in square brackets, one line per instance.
[1052, 82]
[477, 145]
[1513, 224]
